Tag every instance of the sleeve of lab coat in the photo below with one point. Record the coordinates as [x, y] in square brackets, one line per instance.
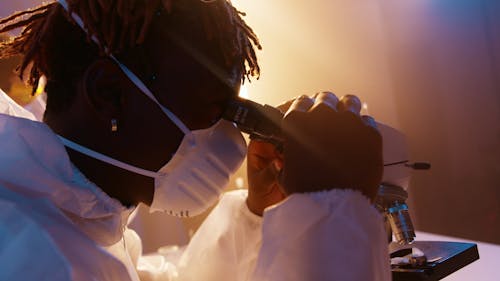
[330, 235]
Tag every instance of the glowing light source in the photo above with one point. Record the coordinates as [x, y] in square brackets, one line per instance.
[41, 85]
[244, 92]
[364, 109]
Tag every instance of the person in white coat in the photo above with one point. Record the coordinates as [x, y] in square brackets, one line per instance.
[135, 91]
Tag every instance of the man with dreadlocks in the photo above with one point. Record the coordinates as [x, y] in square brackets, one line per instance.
[135, 90]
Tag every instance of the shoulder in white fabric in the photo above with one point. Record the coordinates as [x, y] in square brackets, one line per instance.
[42, 167]
[10, 107]
[331, 235]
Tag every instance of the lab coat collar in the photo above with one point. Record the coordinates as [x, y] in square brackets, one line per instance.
[33, 162]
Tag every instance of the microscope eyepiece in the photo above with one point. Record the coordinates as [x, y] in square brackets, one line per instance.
[259, 121]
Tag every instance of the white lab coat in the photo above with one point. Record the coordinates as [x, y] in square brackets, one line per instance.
[55, 224]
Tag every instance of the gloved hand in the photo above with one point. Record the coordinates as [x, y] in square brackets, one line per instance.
[329, 145]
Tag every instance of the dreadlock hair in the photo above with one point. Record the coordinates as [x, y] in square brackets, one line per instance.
[52, 45]
[7, 67]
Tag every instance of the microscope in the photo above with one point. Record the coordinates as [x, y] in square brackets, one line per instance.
[410, 259]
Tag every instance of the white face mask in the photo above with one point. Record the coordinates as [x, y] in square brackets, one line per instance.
[199, 170]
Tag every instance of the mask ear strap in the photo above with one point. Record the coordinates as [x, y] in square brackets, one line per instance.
[130, 74]
[149, 94]
[107, 159]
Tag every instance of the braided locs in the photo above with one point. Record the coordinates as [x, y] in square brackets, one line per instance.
[51, 45]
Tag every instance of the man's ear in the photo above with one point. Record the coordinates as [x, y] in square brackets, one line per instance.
[104, 86]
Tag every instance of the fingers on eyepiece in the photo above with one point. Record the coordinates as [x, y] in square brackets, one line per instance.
[302, 104]
[327, 99]
[350, 103]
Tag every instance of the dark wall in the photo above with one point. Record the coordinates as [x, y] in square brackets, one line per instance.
[445, 62]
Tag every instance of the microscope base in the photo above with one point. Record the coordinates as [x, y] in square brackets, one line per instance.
[443, 258]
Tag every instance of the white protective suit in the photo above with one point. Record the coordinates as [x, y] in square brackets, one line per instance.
[57, 225]
[52, 218]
